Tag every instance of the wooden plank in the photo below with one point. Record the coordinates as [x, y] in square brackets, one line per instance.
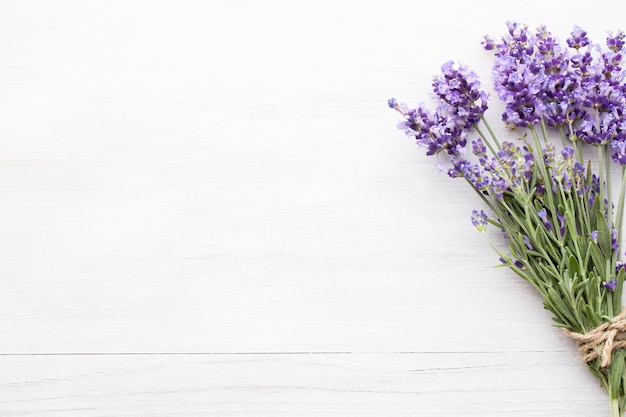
[536, 384]
[289, 302]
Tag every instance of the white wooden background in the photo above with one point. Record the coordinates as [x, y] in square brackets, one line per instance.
[206, 210]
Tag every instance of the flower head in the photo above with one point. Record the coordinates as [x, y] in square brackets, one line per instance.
[578, 38]
[479, 220]
[459, 88]
[436, 131]
[610, 285]
[619, 155]
[488, 43]
[616, 42]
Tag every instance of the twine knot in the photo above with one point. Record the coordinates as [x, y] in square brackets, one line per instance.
[602, 341]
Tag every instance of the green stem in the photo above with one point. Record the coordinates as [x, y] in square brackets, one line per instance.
[609, 189]
[601, 195]
[609, 298]
[613, 382]
[571, 223]
[562, 134]
[614, 408]
[582, 213]
[543, 170]
[493, 135]
[619, 215]
[544, 130]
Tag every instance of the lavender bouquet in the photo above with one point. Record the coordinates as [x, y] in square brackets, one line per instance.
[554, 203]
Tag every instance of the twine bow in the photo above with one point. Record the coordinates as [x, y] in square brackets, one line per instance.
[602, 341]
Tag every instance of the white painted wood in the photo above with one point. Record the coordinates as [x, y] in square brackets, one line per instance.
[458, 384]
[224, 179]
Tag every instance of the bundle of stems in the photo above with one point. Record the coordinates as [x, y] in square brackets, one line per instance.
[555, 207]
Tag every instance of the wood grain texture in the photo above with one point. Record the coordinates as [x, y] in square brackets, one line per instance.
[205, 209]
[401, 384]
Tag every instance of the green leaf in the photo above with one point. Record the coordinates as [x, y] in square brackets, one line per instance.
[561, 309]
[616, 370]
[591, 315]
[574, 267]
[597, 256]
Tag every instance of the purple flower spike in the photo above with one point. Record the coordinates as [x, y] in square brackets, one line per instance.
[434, 130]
[611, 285]
[488, 43]
[594, 236]
[562, 224]
[392, 103]
[578, 38]
[567, 153]
[619, 156]
[616, 43]
[459, 88]
[479, 220]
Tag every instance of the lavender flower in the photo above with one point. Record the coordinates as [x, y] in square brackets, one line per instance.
[610, 285]
[516, 79]
[579, 178]
[562, 224]
[459, 88]
[594, 189]
[479, 149]
[479, 220]
[616, 43]
[563, 169]
[543, 215]
[488, 43]
[549, 156]
[474, 174]
[578, 38]
[434, 130]
[597, 130]
[517, 86]
[619, 155]
[528, 244]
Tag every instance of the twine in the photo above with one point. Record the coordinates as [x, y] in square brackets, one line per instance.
[602, 341]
